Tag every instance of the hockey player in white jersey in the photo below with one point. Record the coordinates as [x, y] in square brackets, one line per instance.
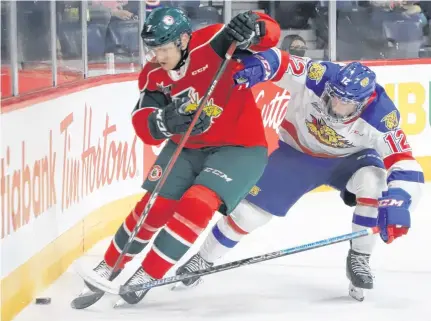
[341, 129]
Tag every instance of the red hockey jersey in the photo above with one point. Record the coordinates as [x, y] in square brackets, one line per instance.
[236, 119]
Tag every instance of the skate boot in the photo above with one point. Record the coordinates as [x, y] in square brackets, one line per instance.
[84, 300]
[195, 263]
[138, 277]
[359, 273]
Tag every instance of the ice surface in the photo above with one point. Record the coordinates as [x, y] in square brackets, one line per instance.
[309, 286]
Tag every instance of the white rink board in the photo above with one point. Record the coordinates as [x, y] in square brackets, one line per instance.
[96, 122]
[412, 84]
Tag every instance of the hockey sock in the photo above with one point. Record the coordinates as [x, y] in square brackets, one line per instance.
[365, 216]
[229, 230]
[222, 238]
[191, 216]
[158, 215]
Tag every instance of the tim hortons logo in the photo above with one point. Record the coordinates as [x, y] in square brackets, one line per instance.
[273, 112]
[34, 187]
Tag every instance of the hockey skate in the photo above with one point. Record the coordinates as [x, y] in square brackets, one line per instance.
[138, 277]
[195, 263]
[84, 300]
[359, 273]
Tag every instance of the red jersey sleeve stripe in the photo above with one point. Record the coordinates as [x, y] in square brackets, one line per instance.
[284, 64]
[392, 159]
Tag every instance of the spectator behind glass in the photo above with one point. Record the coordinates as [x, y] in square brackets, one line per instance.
[189, 6]
[291, 14]
[295, 45]
[115, 9]
[34, 31]
[205, 16]
[152, 4]
[404, 24]
[122, 27]
[408, 8]
[127, 10]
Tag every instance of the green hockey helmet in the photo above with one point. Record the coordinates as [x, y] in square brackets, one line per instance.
[164, 25]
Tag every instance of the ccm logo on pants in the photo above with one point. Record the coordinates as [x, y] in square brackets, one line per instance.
[218, 173]
[390, 202]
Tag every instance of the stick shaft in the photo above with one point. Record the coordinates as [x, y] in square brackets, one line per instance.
[248, 261]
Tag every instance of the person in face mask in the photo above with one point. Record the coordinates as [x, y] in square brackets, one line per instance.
[295, 45]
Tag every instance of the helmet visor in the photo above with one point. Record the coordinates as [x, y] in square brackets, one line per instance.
[338, 108]
[154, 53]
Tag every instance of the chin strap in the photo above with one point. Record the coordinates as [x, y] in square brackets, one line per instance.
[184, 54]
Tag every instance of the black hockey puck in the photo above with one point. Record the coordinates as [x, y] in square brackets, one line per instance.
[43, 300]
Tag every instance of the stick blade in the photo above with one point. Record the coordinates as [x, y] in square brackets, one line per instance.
[86, 300]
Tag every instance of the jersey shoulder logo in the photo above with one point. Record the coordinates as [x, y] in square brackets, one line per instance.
[316, 72]
[391, 120]
[254, 190]
[325, 134]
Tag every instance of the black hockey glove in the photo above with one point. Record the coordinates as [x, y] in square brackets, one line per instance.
[172, 119]
[245, 29]
[203, 123]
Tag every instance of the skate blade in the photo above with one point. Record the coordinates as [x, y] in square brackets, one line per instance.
[84, 291]
[180, 286]
[119, 303]
[356, 293]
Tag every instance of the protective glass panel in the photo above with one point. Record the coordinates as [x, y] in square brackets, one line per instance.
[372, 30]
[304, 24]
[70, 64]
[34, 45]
[6, 89]
[113, 37]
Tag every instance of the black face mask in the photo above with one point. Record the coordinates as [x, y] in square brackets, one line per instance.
[300, 52]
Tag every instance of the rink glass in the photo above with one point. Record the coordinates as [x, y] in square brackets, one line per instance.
[64, 41]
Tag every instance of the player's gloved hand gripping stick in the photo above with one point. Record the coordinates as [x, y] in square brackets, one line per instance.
[394, 214]
[88, 297]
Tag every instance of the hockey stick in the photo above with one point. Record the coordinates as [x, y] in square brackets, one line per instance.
[169, 166]
[103, 284]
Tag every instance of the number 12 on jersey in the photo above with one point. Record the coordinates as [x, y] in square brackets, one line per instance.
[397, 141]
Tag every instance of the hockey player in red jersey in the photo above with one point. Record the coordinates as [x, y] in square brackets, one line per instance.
[226, 152]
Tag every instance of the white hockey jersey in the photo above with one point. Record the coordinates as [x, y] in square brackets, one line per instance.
[305, 129]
